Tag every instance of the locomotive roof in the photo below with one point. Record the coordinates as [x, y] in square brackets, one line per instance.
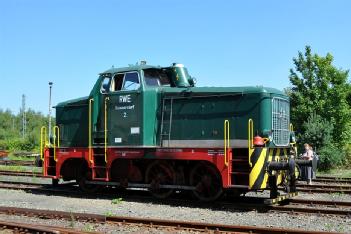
[129, 68]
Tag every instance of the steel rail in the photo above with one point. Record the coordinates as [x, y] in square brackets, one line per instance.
[325, 186]
[22, 173]
[334, 178]
[316, 190]
[35, 228]
[319, 202]
[17, 162]
[332, 181]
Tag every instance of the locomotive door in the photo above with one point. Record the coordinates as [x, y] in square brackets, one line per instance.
[124, 110]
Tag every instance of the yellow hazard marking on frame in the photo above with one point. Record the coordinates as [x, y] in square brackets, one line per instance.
[277, 156]
[264, 183]
[258, 167]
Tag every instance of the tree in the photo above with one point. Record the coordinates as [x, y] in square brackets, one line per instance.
[11, 127]
[319, 87]
[316, 131]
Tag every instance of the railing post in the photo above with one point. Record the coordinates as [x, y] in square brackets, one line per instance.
[90, 143]
[42, 141]
[250, 140]
[56, 131]
[226, 141]
[106, 100]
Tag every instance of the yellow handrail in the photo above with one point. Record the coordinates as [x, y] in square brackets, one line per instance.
[291, 127]
[42, 141]
[250, 139]
[106, 99]
[90, 144]
[56, 139]
[226, 141]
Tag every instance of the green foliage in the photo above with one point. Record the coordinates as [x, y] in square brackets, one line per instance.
[116, 201]
[347, 150]
[11, 130]
[330, 156]
[321, 106]
[319, 87]
[316, 131]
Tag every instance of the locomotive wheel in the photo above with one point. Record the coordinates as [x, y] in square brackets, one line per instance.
[87, 188]
[159, 173]
[207, 182]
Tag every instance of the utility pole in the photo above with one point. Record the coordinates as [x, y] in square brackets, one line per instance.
[50, 87]
[24, 117]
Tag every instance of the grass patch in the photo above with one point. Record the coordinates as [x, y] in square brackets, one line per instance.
[116, 201]
[14, 157]
[335, 172]
[109, 214]
[21, 158]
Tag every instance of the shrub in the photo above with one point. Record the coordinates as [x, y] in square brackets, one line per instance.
[3, 145]
[347, 151]
[317, 132]
[330, 156]
[20, 144]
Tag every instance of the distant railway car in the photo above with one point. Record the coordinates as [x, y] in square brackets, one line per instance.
[149, 127]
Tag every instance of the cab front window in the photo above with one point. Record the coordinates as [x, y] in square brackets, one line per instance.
[131, 81]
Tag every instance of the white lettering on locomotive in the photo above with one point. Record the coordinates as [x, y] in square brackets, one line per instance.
[125, 99]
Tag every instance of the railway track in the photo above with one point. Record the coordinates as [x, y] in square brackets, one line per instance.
[334, 178]
[319, 202]
[326, 186]
[17, 163]
[170, 225]
[307, 189]
[16, 227]
[22, 173]
[340, 181]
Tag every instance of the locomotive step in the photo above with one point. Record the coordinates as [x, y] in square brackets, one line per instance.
[243, 160]
[239, 186]
[101, 178]
[240, 173]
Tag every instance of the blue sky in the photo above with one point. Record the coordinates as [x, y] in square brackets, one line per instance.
[223, 43]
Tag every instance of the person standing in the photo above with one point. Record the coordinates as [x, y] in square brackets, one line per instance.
[308, 155]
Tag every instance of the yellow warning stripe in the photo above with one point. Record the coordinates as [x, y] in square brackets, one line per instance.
[258, 167]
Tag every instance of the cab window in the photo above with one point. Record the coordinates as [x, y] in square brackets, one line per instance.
[117, 81]
[156, 77]
[105, 85]
[131, 81]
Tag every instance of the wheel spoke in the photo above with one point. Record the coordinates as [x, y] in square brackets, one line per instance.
[207, 182]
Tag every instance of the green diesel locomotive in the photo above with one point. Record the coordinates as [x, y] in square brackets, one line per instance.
[149, 127]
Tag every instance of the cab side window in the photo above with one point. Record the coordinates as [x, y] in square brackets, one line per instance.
[117, 81]
[131, 81]
[105, 85]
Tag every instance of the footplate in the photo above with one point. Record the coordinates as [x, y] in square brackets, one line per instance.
[280, 198]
